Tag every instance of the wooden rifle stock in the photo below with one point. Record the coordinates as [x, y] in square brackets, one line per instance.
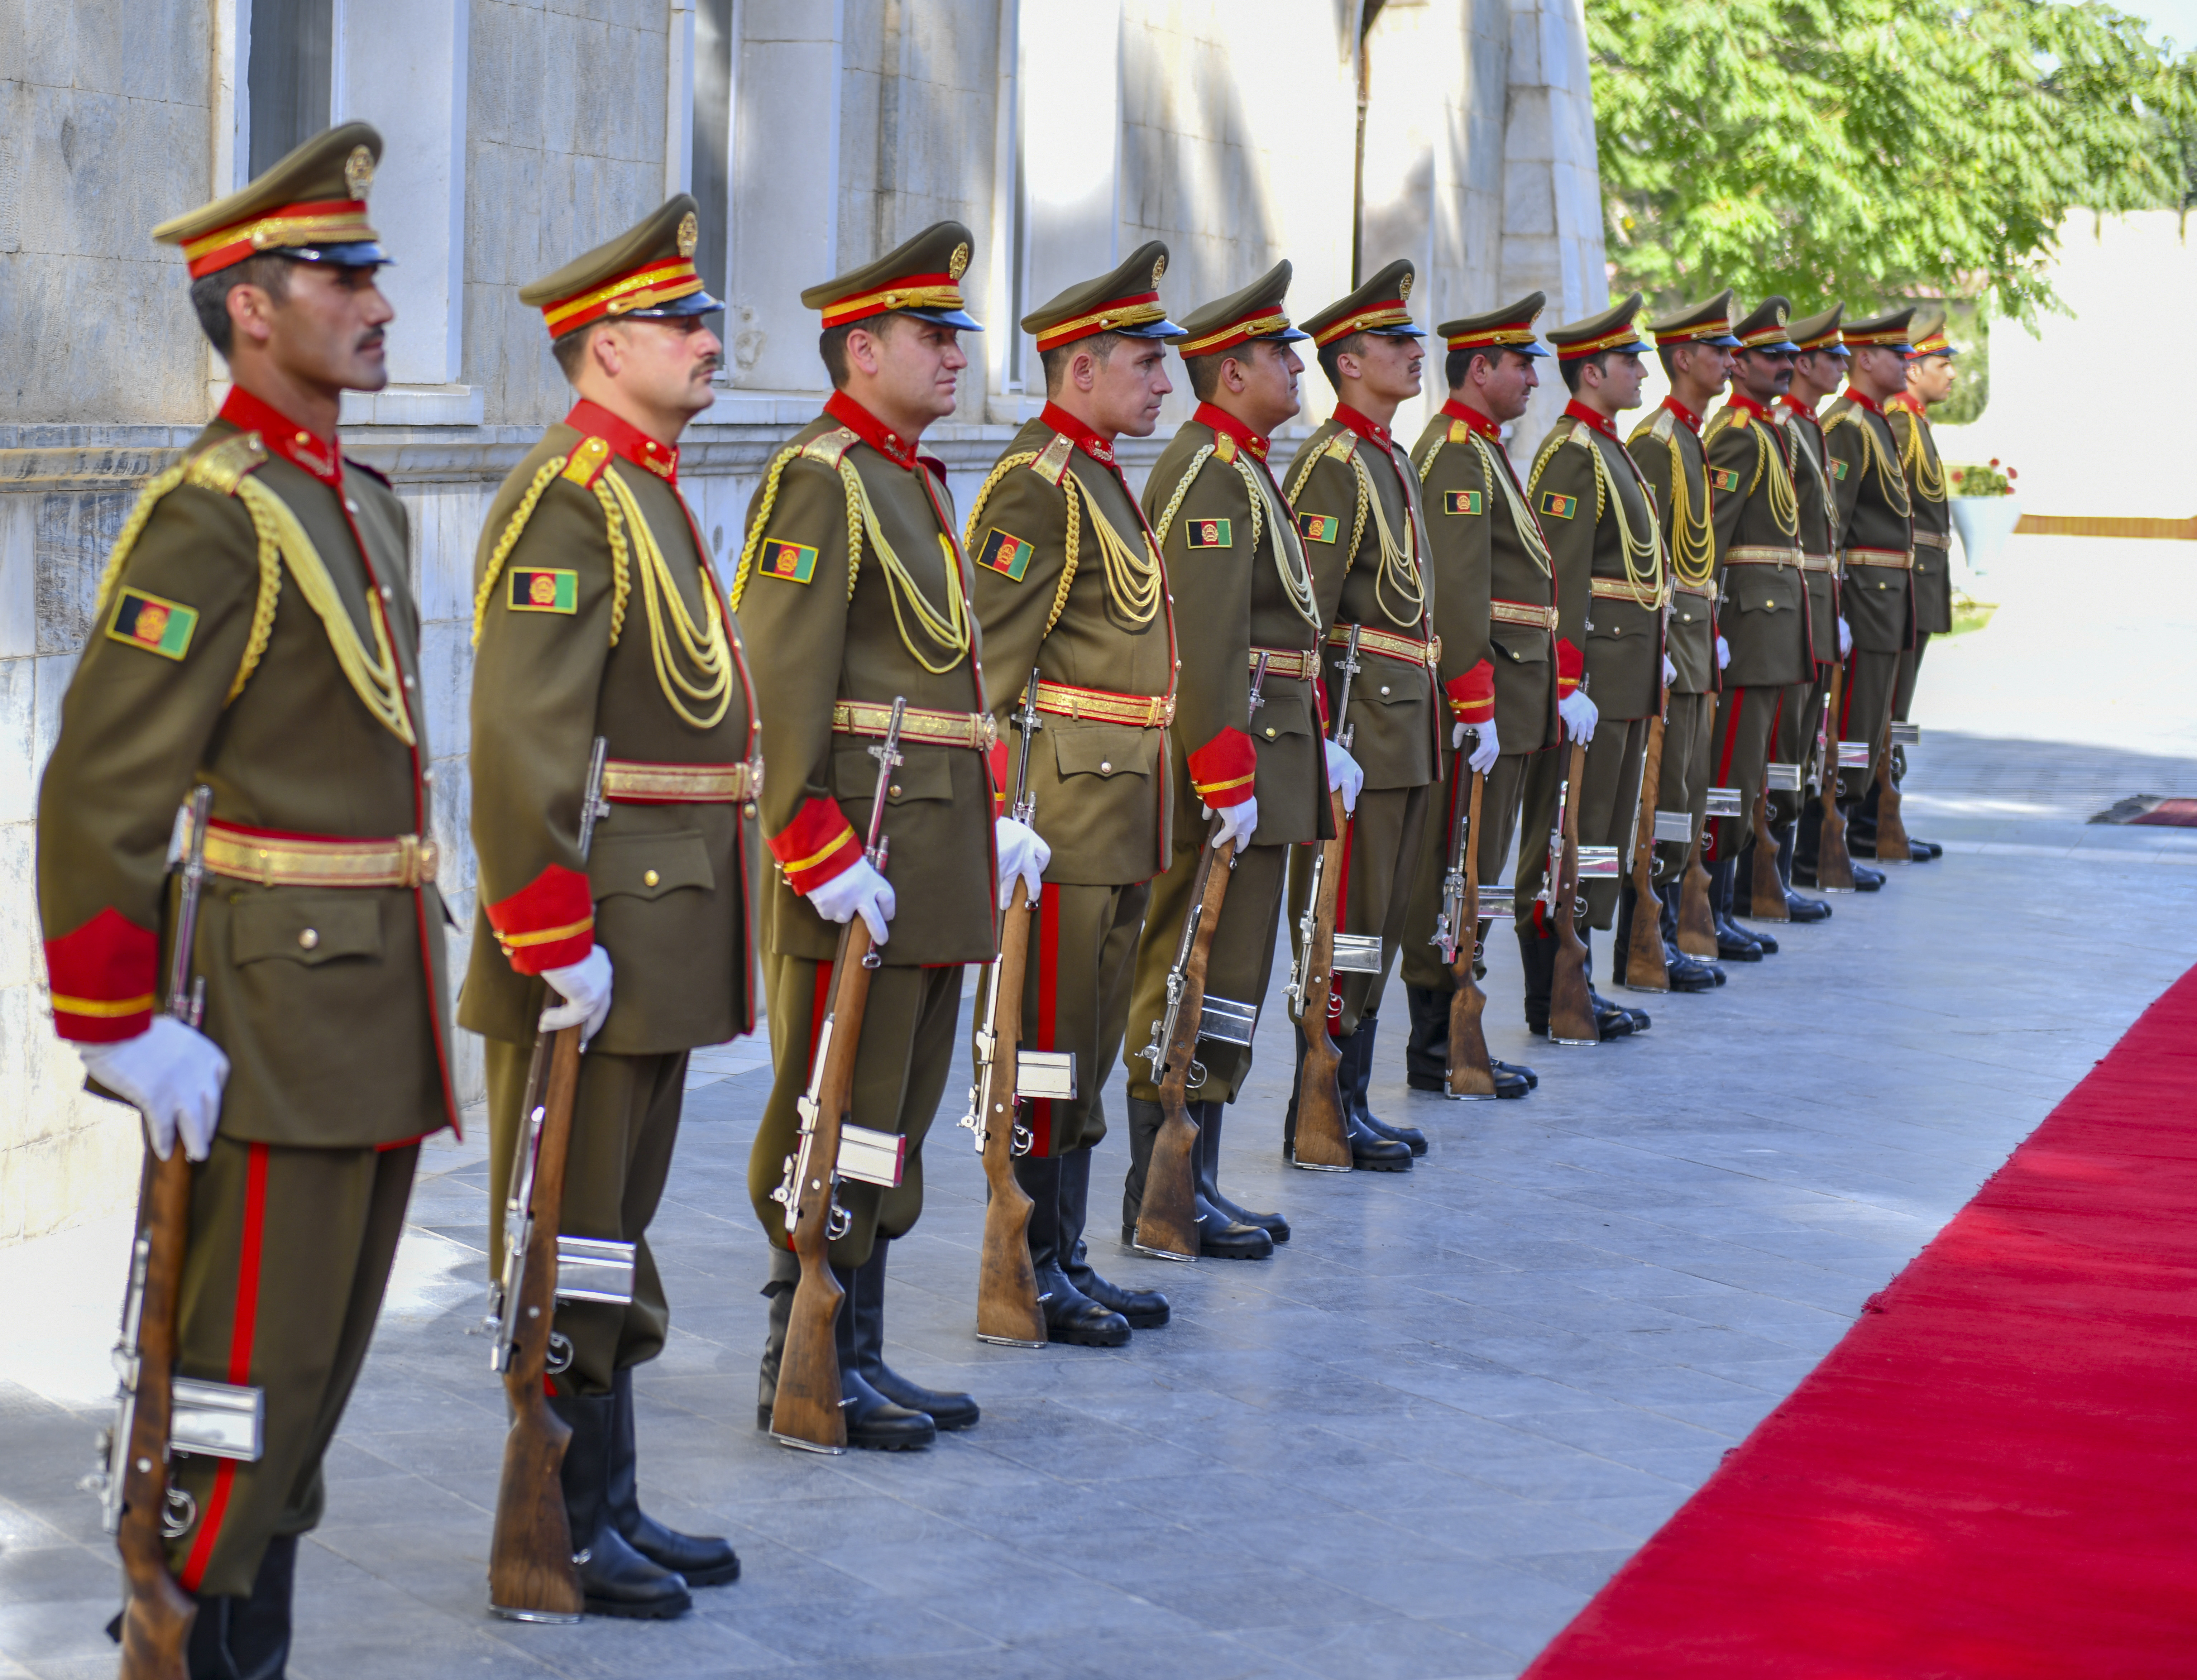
[1892, 842]
[1697, 936]
[1833, 861]
[156, 1621]
[1167, 1222]
[1571, 1011]
[1644, 967]
[1766, 888]
[1471, 1073]
[1322, 1138]
[1007, 1307]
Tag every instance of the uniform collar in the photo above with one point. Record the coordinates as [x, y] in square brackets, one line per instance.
[1576, 410]
[1098, 448]
[1906, 401]
[866, 425]
[1484, 425]
[633, 444]
[1220, 420]
[1692, 419]
[1372, 430]
[1747, 405]
[315, 456]
[1861, 399]
[1789, 401]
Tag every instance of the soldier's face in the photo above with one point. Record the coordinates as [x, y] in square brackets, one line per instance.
[1389, 366]
[1505, 385]
[1766, 374]
[326, 331]
[1266, 379]
[1930, 379]
[664, 364]
[915, 366]
[1127, 387]
[1621, 374]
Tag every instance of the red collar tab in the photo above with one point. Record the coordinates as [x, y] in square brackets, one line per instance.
[1907, 401]
[1789, 401]
[1747, 405]
[1576, 410]
[1098, 448]
[1220, 420]
[283, 436]
[1485, 425]
[866, 425]
[1372, 431]
[1692, 419]
[635, 446]
[1862, 399]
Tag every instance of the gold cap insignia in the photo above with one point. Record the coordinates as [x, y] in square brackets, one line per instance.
[1159, 268]
[358, 172]
[959, 266]
[1404, 289]
[690, 234]
[1781, 317]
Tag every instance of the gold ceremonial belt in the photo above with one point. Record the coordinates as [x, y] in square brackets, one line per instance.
[1895, 559]
[1933, 539]
[1138, 711]
[638, 783]
[1621, 589]
[1296, 662]
[1518, 612]
[1409, 649]
[303, 860]
[1706, 591]
[1750, 555]
[1818, 562]
[974, 730]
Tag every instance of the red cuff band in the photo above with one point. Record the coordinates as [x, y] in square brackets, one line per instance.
[1472, 696]
[1224, 771]
[818, 845]
[1571, 665]
[548, 923]
[103, 977]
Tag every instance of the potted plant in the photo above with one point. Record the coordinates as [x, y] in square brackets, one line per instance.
[1985, 509]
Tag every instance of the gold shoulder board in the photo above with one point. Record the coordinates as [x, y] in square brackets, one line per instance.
[1052, 459]
[590, 456]
[829, 448]
[228, 464]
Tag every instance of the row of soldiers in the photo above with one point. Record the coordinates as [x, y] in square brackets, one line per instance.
[1187, 653]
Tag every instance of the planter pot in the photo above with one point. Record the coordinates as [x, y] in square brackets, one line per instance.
[1985, 522]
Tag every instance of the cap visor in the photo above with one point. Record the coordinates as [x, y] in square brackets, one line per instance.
[1726, 342]
[360, 254]
[1404, 332]
[1157, 329]
[1525, 350]
[694, 303]
[959, 318]
[1783, 346]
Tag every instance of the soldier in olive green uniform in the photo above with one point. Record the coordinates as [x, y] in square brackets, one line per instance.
[1691, 346]
[1238, 574]
[1495, 607]
[646, 939]
[1929, 382]
[852, 591]
[1356, 497]
[254, 631]
[1763, 616]
[1876, 535]
[1068, 582]
[1611, 600]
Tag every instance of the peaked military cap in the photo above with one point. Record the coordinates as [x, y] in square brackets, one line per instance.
[1930, 340]
[1888, 330]
[1126, 301]
[310, 205]
[1254, 312]
[1764, 330]
[1511, 327]
[921, 278]
[1703, 323]
[1378, 306]
[1612, 329]
[645, 274]
[1820, 332]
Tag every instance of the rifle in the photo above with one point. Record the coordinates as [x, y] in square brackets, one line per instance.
[1322, 1138]
[531, 1575]
[1697, 935]
[138, 1505]
[1766, 889]
[1834, 862]
[1471, 1074]
[1571, 1012]
[1007, 1309]
[806, 1413]
[1644, 966]
[1892, 842]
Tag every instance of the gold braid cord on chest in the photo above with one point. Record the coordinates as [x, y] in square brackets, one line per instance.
[1890, 483]
[1643, 555]
[1522, 518]
[1399, 577]
[1133, 579]
[1288, 558]
[1926, 475]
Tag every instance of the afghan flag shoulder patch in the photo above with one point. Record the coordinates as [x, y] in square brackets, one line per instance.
[543, 590]
[1209, 533]
[1319, 527]
[1723, 478]
[795, 562]
[1838, 469]
[158, 626]
[1004, 552]
[1554, 505]
[1462, 501]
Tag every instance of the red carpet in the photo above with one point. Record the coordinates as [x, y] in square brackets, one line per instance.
[1995, 1472]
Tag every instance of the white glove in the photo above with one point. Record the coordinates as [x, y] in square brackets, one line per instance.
[1486, 753]
[585, 987]
[1846, 639]
[1578, 714]
[1670, 671]
[174, 1073]
[1236, 822]
[860, 890]
[1344, 774]
[1724, 653]
[1021, 852]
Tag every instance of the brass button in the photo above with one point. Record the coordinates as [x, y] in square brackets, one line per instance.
[1106, 764]
[1270, 732]
[1384, 688]
[894, 790]
[649, 878]
[310, 938]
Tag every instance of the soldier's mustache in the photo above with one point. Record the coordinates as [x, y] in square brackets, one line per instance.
[371, 338]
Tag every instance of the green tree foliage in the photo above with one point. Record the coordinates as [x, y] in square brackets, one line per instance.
[1859, 149]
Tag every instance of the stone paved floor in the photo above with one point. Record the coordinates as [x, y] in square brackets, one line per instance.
[1412, 1444]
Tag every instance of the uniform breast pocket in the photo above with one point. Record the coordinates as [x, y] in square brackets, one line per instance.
[311, 928]
[1520, 647]
[924, 773]
[1102, 750]
[649, 865]
[1759, 600]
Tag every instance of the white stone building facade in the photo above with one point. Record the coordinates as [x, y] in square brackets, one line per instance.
[817, 133]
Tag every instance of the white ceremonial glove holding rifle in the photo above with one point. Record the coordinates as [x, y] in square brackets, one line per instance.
[174, 1073]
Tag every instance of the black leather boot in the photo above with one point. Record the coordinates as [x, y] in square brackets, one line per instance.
[1734, 944]
[1611, 1021]
[1357, 1078]
[1668, 893]
[1798, 908]
[1143, 1309]
[704, 1560]
[1370, 1152]
[785, 1274]
[1537, 955]
[245, 1638]
[615, 1579]
[1221, 1234]
[1143, 1121]
[1070, 1315]
[874, 1424]
[1426, 1053]
[947, 1409]
[1209, 1116]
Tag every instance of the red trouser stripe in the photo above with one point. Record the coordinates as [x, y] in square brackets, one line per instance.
[819, 1007]
[1845, 693]
[240, 1331]
[1048, 1007]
